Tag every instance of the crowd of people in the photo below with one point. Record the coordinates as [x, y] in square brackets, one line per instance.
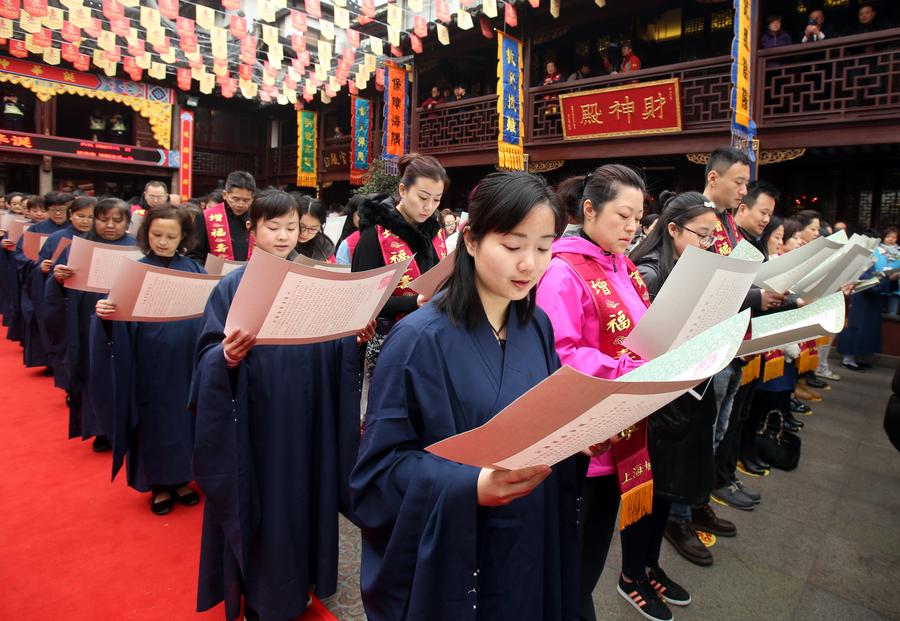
[271, 434]
[818, 29]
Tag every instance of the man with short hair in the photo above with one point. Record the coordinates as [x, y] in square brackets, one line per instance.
[221, 230]
[755, 211]
[155, 193]
[816, 29]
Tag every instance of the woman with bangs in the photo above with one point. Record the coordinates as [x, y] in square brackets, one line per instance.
[443, 540]
[153, 426]
[89, 352]
[275, 426]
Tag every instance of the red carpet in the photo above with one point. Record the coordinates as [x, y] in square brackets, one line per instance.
[74, 545]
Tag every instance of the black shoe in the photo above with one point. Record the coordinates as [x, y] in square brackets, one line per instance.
[789, 418]
[853, 366]
[188, 499]
[762, 463]
[101, 444]
[668, 589]
[161, 507]
[798, 407]
[731, 496]
[704, 518]
[863, 365]
[644, 599]
[750, 467]
[791, 426]
[814, 382]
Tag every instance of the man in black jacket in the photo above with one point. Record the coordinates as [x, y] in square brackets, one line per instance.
[237, 197]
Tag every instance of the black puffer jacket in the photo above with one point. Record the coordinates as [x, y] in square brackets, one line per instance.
[680, 435]
[382, 210]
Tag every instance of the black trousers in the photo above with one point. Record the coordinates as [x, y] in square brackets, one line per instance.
[729, 449]
[641, 541]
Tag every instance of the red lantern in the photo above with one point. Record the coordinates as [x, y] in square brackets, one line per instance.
[17, 48]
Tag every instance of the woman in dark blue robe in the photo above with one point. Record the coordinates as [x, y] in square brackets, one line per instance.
[152, 426]
[88, 350]
[274, 425]
[12, 294]
[52, 318]
[862, 336]
[443, 540]
[32, 278]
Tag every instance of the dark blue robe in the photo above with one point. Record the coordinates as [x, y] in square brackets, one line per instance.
[53, 322]
[862, 336]
[153, 425]
[12, 295]
[271, 438]
[88, 350]
[32, 297]
[429, 551]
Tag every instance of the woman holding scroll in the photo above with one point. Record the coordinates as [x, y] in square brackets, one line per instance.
[269, 447]
[90, 349]
[594, 296]
[442, 540]
[153, 426]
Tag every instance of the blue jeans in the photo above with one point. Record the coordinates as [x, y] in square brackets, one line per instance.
[726, 384]
[680, 513]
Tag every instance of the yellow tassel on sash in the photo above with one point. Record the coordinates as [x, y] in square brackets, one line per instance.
[823, 340]
[809, 361]
[774, 368]
[750, 371]
[636, 503]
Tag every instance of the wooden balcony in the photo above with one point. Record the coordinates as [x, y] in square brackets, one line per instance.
[211, 161]
[462, 126]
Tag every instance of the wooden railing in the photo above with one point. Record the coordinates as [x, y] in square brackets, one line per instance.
[459, 126]
[213, 161]
[851, 78]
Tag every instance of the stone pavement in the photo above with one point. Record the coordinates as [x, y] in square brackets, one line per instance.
[824, 543]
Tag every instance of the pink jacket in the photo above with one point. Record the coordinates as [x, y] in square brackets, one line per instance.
[569, 303]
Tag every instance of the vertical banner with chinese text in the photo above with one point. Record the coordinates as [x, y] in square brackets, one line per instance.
[307, 138]
[186, 121]
[396, 116]
[511, 139]
[359, 163]
[743, 129]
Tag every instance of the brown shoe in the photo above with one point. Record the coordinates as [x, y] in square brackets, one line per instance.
[704, 518]
[806, 394]
[684, 539]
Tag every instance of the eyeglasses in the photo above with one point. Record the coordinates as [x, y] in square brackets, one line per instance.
[705, 240]
[309, 229]
[57, 210]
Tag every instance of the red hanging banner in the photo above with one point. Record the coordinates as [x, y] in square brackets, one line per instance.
[10, 10]
[509, 15]
[17, 48]
[314, 8]
[168, 8]
[35, 8]
[187, 150]
[298, 20]
[183, 75]
[113, 9]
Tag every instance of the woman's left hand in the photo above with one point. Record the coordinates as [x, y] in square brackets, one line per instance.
[365, 335]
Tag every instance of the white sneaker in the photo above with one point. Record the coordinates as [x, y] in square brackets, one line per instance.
[828, 374]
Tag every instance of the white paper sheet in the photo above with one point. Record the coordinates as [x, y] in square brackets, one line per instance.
[136, 221]
[321, 265]
[821, 318]
[781, 273]
[95, 264]
[333, 228]
[148, 293]
[703, 289]
[845, 269]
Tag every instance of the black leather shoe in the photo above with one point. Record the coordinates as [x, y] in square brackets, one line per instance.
[814, 382]
[762, 463]
[752, 468]
[161, 507]
[704, 518]
[789, 418]
[792, 427]
[188, 499]
[798, 407]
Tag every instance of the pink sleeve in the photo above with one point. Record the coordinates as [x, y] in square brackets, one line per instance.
[572, 313]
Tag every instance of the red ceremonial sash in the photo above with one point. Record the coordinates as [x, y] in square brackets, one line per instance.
[722, 244]
[137, 210]
[809, 357]
[629, 454]
[218, 233]
[395, 250]
[352, 241]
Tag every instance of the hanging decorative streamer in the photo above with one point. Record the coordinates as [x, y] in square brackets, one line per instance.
[187, 152]
[307, 130]
[396, 116]
[511, 140]
[359, 166]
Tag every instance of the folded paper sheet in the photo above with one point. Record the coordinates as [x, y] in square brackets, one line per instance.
[321, 265]
[219, 266]
[64, 243]
[780, 274]
[282, 302]
[17, 228]
[334, 226]
[95, 264]
[845, 267]
[822, 317]
[148, 293]
[431, 281]
[570, 411]
[702, 290]
[31, 246]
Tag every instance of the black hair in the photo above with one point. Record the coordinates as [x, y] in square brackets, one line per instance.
[156, 184]
[240, 180]
[353, 205]
[888, 230]
[723, 158]
[103, 207]
[792, 226]
[756, 188]
[774, 223]
[52, 199]
[412, 166]
[600, 187]
[270, 204]
[501, 202]
[649, 219]
[81, 202]
[806, 217]
[679, 210]
[34, 200]
[773, 18]
[319, 247]
[167, 211]
[311, 206]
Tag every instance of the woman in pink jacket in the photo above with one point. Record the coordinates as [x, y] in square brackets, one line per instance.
[594, 297]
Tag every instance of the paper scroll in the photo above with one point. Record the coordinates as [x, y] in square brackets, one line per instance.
[64, 243]
[431, 281]
[16, 227]
[32, 244]
[321, 265]
[821, 318]
[145, 292]
[570, 411]
[781, 273]
[282, 302]
[95, 264]
[220, 266]
[334, 226]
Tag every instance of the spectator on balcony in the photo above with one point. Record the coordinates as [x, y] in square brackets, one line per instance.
[816, 28]
[97, 126]
[338, 132]
[13, 113]
[868, 22]
[459, 93]
[552, 74]
[630, 60]
[774, 36]
[584, 72]
[432, 102]
[118, 129]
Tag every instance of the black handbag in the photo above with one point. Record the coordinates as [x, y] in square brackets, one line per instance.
[775, 444]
